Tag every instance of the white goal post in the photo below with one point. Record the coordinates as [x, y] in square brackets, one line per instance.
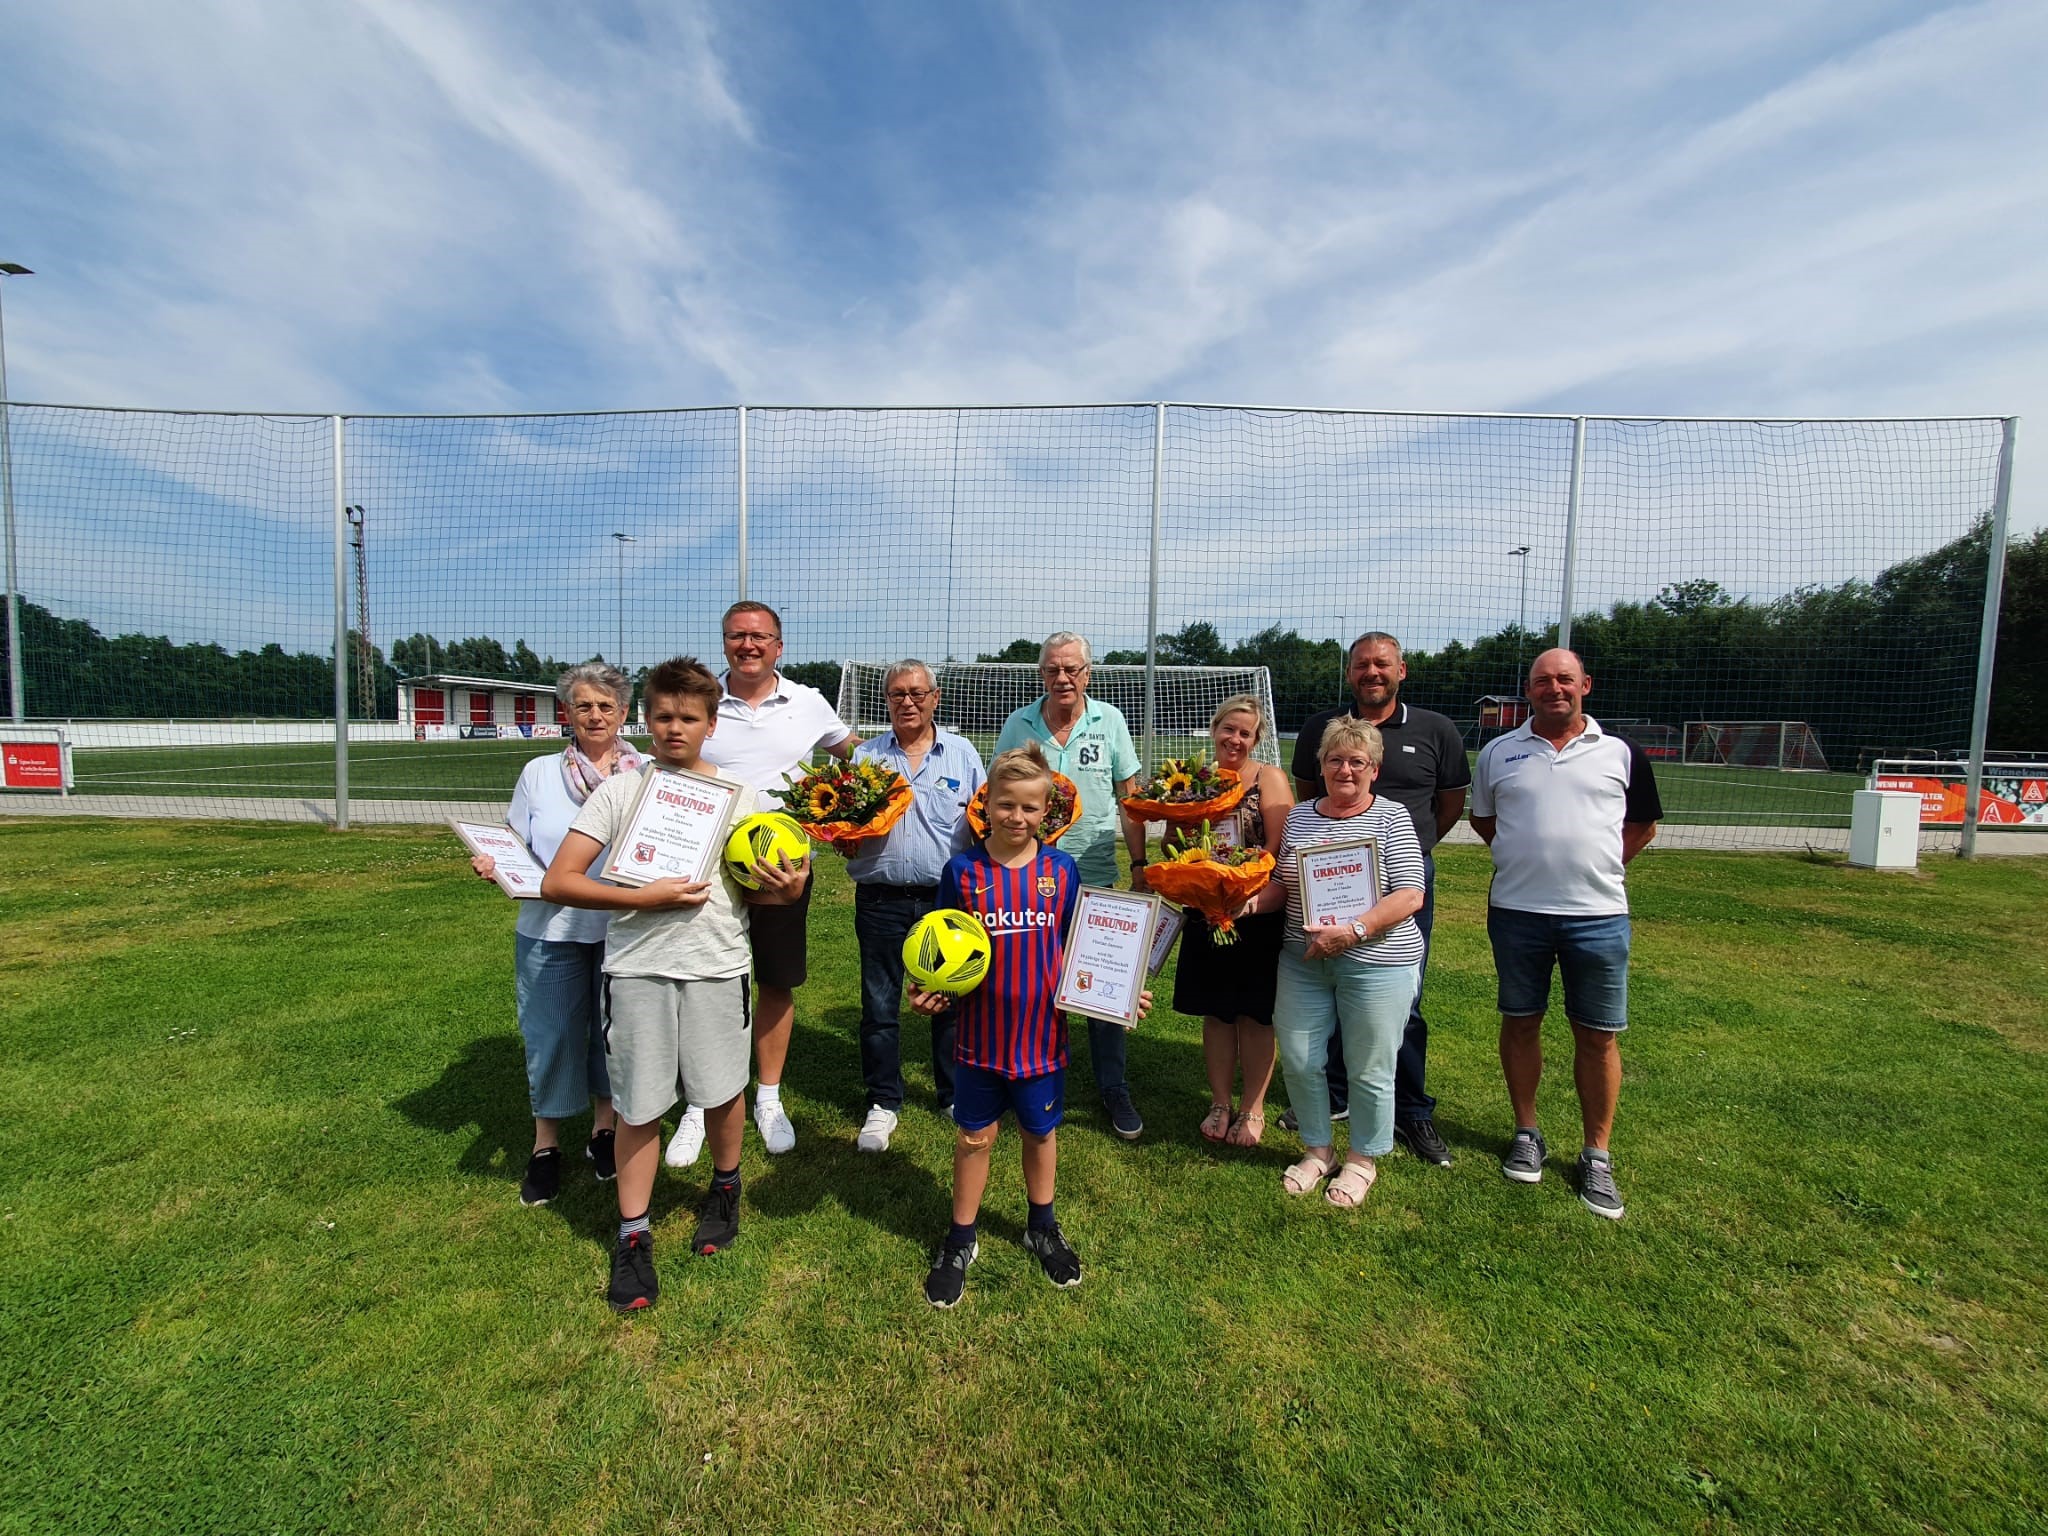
[977, 696]
[1788, 745]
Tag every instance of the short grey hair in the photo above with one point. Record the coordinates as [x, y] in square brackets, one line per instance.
[907, 665]
[598, 674]
[1067, 637]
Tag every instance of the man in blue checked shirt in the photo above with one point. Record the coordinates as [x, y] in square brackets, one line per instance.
[896, 881]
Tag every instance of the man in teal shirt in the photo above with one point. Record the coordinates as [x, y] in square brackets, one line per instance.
[1090, 742]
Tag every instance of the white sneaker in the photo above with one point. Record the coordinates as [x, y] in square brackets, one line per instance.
[777, 1134]
[689, 1139]
[876, 1130]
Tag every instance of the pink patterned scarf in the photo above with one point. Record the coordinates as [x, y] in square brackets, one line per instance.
[581, 775]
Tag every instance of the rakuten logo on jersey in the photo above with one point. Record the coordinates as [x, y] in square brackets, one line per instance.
[1001, 922]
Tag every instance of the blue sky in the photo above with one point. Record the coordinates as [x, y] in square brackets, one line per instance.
[1776, 208]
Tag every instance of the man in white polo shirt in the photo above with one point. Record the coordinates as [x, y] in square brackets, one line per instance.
[767, 727]
[1564, 806]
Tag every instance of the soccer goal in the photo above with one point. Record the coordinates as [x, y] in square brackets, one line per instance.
[1789, 745]
[977, 696]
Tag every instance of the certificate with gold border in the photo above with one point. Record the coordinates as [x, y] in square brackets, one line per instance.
[1108, 949]
[1340, 882]
[676, 829]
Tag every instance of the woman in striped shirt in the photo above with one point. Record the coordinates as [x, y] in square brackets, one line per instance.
[1358, 976]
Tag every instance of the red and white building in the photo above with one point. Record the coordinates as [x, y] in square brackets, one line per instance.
[443, 707]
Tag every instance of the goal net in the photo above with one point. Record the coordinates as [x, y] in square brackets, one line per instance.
[1789, 745]
[977, 697]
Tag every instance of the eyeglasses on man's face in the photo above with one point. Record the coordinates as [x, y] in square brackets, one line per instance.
[742, 637]
[909, 695]
[1052, 671]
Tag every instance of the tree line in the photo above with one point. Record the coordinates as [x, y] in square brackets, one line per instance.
[1883, 666]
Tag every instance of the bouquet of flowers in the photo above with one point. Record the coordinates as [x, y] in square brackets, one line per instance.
[1061, 811]
[1184, 791]
[1214, 881]
[841, 803]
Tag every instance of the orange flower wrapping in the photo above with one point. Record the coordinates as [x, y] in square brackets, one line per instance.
[1190, 813]
[1066, 798]
[841, 833]
[1214, 890]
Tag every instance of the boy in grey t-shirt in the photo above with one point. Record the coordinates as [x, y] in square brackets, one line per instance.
[676, 993]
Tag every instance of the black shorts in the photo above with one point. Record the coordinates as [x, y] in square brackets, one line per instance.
[778, 936]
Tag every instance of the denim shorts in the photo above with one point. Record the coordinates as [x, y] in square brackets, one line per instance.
[1592, 952]
[980, 1097]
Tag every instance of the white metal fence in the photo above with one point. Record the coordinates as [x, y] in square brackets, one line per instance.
[217, 567]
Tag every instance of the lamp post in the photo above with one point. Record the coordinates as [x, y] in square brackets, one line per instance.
[1521, 552]
[15, 698]
[623, 539]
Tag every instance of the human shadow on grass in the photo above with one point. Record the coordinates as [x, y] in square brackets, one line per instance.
[892, 1190]
[482, 1094]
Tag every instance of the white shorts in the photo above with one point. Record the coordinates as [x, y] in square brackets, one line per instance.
[668, 1041]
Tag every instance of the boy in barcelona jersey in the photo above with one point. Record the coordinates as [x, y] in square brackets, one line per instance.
[1010, 1052]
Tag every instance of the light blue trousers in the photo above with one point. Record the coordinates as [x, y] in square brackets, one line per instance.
[1369, 1003]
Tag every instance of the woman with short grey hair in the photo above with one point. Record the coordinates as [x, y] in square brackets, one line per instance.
[558, 952]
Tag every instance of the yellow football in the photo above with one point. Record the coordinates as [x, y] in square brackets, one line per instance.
[761, 836]
[947, 951]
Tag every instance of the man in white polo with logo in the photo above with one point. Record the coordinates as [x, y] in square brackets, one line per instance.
[1564, 806]
[1090, 742]
[767, 728]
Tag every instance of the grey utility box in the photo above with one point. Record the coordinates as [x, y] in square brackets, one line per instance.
[1884, 830]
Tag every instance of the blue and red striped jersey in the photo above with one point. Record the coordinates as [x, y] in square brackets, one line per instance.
[1008, 1025]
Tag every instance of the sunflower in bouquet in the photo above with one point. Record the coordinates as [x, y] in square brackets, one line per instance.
[1062, 810]
[1186, 791]
[846, 802]
[1216, 880]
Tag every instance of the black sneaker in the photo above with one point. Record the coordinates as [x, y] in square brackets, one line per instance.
[1056, 1255]
[1597, 1191]
[543, 1179]
[1123, 1115]
[948, 1280]
[1524, 1162]
[633, 1283]
[1420, 1137]
[601, 1152]
[718, 1220]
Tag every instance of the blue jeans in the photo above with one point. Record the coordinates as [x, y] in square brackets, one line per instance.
[1592, 952]
[558, 985]
[883, 916]
[1107, 1046]
[1411, 1101]
[1367, 1004]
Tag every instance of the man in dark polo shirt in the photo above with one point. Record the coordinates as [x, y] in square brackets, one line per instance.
[1425, 772]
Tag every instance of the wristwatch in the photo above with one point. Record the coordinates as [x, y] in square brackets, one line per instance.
[1358, 931]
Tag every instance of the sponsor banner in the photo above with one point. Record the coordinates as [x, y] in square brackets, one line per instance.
[433, 733]
[2014, 794]
[487, 732]
[35, 765]
[478, 732]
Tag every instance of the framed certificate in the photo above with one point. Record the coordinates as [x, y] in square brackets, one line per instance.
[676, 829]
[1340, 882]
[1108, 951]
[518, 872]
[1164, 932]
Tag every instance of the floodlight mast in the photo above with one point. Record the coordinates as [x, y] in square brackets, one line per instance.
[366, 674]
[16, 698]
[624, 539]
[1521, 551]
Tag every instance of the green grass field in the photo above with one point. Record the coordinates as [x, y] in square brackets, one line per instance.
[485, 770]
[263, 1268]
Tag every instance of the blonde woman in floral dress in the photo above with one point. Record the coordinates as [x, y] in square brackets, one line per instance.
[1230, 987]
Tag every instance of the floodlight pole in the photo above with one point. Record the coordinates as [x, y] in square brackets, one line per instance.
[740, 537]
[1521, 552]
[17, 700]
[623, 539]
[1987, 641]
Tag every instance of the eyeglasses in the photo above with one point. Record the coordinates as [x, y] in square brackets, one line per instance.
[741, 637]
[910, 695]
[1051, 671]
